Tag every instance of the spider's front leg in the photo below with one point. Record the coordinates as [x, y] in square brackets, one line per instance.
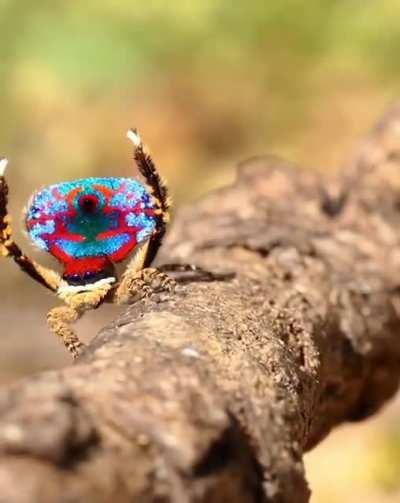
[61, 318]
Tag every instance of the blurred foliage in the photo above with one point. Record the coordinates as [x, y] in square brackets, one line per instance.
[386, 470]
[208, 83]
[358, 462]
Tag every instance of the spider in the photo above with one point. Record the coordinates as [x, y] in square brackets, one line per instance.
[89, 225]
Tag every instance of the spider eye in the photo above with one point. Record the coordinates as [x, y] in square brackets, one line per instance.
[74, 279]
[81, 278]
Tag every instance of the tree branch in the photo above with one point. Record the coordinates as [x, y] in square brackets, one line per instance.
[214, 393]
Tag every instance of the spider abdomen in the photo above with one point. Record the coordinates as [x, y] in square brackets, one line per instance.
[91, 222]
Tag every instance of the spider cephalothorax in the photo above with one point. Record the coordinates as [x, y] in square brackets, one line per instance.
[89, 225]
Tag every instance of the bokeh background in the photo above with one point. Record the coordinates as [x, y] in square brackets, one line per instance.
[208, 83]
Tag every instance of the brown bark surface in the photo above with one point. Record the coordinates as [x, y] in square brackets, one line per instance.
[213, 394]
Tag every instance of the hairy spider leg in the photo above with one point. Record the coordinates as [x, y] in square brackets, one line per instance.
[159, 192]
[61, 318]
[9, 248]
[139, 279]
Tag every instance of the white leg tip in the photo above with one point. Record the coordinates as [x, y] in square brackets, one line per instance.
[3, 165]
[134, 137]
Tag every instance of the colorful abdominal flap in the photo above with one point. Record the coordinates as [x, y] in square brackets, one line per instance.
[88, 224]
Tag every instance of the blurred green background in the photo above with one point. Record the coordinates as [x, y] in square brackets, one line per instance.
[208, 83]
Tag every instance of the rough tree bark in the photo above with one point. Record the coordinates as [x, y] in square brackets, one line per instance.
[214, 393]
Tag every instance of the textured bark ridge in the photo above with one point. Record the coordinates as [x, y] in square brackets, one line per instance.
[213, 394]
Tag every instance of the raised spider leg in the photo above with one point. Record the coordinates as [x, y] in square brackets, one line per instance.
[140, 280]
[61, 318]
[159, 194]
[8, 248]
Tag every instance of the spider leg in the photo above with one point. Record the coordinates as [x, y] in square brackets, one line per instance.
[8, 248]
[77, 302]
[159, 194]
[140, 280]
[59, 320]
[197, 273]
